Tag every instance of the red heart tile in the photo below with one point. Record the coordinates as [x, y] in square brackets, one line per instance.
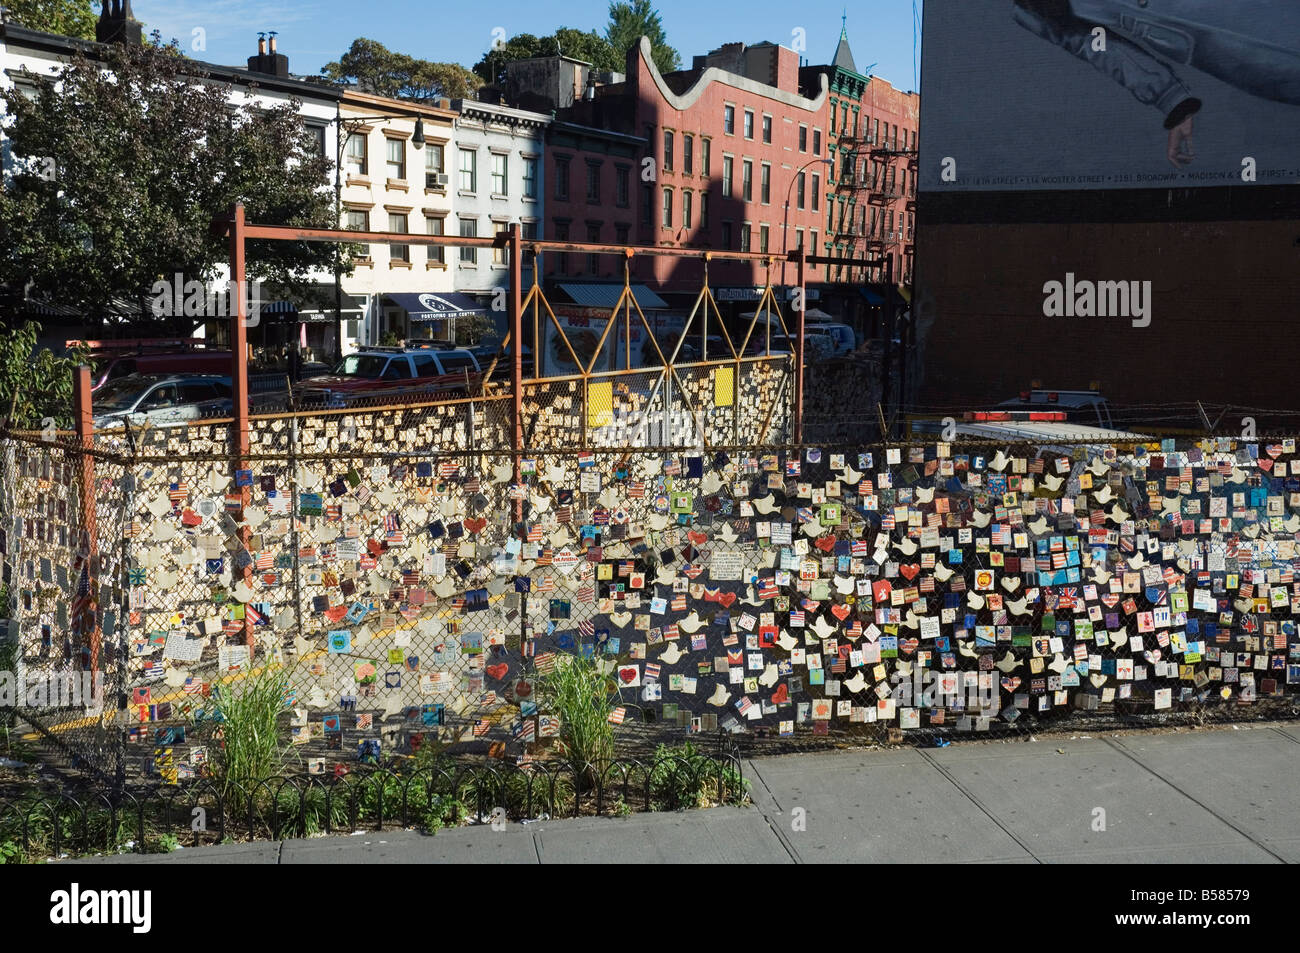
[698, 538]
[841, 612]
[627, 674]
[908, 646]
[727, 599]
[781, 695]
[1009, 684]
[909, 570]
[498, 671]
[825, 543]
[475, 524]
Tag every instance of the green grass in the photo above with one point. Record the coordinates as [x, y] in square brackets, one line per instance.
[243, 720]
[580, 694]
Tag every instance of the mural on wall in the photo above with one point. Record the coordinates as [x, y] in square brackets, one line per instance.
[921, 587]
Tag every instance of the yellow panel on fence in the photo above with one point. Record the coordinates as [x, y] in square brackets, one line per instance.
[600, 403]
[724, 387]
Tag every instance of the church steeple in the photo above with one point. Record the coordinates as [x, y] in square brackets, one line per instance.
[844, 55]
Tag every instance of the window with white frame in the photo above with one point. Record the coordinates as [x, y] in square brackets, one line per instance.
[468, 170]
[396, 158]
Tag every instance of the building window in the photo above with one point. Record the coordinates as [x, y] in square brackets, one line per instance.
[668, 150]
[749, 124]
[397, 223]
[816, 192]
[359, 221]
[562, 179]
[647, 204]
[528, 231]
[844, 119]
[726, 234]
[765, 184]
[593, 260]
[686, 209]
[469, 229]
[875, 131]
[500, 174]
[468, 171]
[729, 120]
[747, 180]
[727, 162]
[688, 155]
[433, 225]
[621, 184]
[397, 158]
[832, 112]
[356, 154]
[562, 235]
[803, 138]
[763, 234]
[704, 210]
[745, 236]
[530, 177]
[847, 172]
[706, 154]
[667, 221]
[817, 142]
[501, 253]
[622, 233]
[798, 238]
[767, 129]
[799, 188]
[593, 183]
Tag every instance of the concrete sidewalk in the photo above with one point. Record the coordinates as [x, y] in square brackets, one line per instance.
[1216, 795]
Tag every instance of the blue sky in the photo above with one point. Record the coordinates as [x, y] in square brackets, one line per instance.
[313, 32]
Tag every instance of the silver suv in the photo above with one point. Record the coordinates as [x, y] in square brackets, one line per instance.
[161, 400]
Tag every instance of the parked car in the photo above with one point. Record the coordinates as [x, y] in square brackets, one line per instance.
[395, 375]
[112, 367]
[1081, 406]
[166, 400]
[846, 341]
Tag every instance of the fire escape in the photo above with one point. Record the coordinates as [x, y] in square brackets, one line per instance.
[876, 184]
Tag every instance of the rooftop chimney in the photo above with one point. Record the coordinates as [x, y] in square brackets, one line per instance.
[268, 61]
[117, 24]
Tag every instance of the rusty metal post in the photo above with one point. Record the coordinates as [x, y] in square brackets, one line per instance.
[85, 427]
[239, 387]
[515, 306]
[798, 348]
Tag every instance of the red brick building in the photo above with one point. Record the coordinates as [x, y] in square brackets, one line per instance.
[731, 140]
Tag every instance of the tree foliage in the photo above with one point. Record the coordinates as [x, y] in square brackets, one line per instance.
[122, 164]
[65, 17]
[375, 69]
[34, 384]
[629, 20]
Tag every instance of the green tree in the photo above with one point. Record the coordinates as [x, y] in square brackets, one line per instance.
[629, 21]
[65, 17]
[120, 167]
[375, 69]
[34, 384]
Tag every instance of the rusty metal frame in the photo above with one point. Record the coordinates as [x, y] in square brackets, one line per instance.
[238, 231]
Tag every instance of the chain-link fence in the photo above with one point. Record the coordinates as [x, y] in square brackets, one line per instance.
[415, 591]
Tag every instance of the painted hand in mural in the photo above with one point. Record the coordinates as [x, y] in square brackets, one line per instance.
[1138, 43]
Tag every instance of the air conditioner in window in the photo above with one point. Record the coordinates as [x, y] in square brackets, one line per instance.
[436, 180]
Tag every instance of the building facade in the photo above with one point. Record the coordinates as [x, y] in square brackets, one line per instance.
[498, 178]
[393, 180]
[739, 162]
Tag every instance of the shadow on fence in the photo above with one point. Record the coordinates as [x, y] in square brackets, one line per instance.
[77, 821]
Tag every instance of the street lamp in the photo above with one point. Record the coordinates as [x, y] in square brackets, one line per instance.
[785, 229]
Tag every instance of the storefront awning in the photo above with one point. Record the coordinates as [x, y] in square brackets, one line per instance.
[607, 295]
[431, 306]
